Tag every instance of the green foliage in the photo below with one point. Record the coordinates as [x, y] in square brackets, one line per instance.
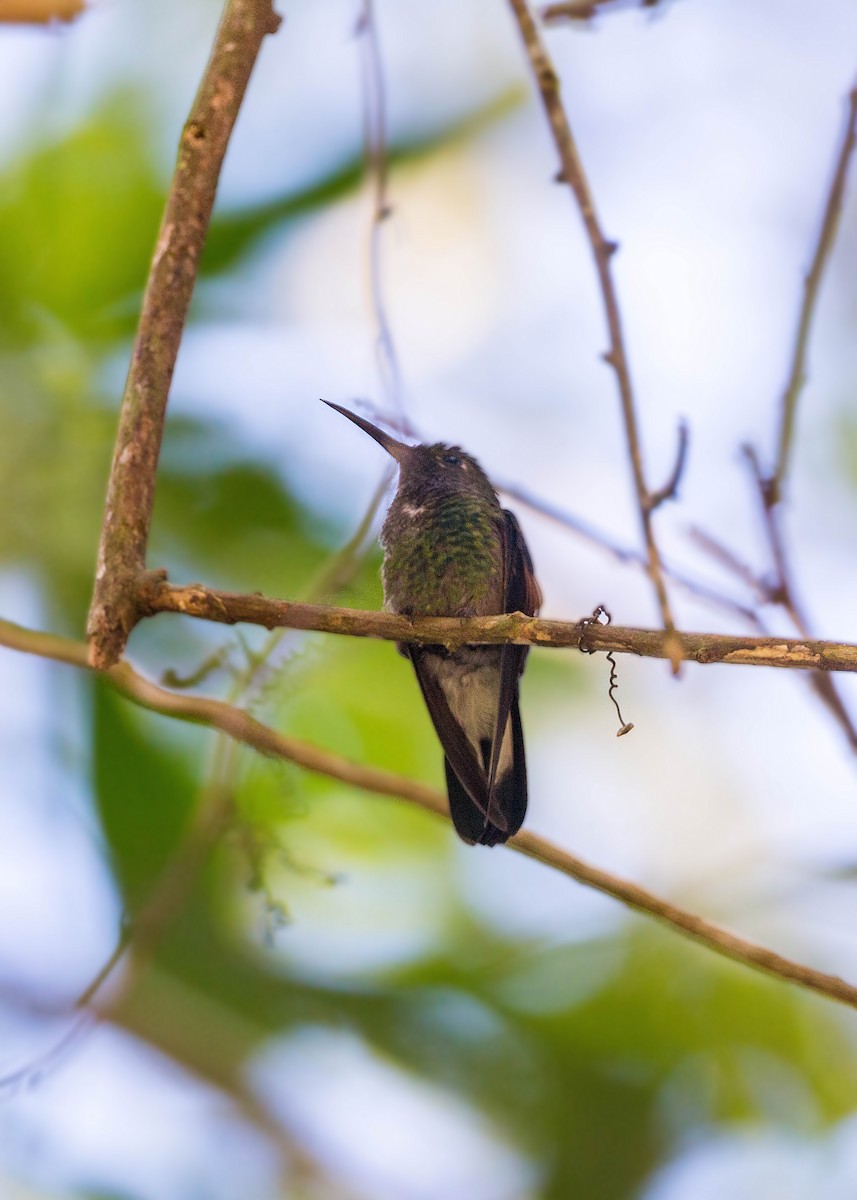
[144, 793]
[78, 220]
[596, 1058]
[235, 235]
[230, 517]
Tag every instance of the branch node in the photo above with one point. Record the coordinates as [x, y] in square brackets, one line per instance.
[194, 133]
[670, 489]
[128, 510]
[602, 250]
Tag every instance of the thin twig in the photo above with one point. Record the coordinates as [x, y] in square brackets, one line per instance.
[44, 1064]
[244, 728]
[335, 574]
[812, 287]
[585, 10]
[727, 558]
[128, 510]
[783, 593]
[375, 137]
[778, 591]
[572, 10]
[670, 489]
[602, 249]
[341, 567]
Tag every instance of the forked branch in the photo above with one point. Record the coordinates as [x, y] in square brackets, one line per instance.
[131, 488]
[572, 173]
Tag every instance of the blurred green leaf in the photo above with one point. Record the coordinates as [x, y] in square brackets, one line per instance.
[78, 220]
[231, 517]
[143, 790]
[235, 234]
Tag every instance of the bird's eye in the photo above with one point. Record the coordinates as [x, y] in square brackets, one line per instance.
[452, 460]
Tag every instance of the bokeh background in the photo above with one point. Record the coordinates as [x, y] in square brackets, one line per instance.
[348, 1002]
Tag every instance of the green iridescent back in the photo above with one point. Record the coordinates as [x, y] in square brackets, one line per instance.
[443, 557]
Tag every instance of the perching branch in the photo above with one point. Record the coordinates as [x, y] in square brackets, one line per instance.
[812, 286]
[229, 608]
[244, 728]
[574, 175]
[130, 493]
[39, 12]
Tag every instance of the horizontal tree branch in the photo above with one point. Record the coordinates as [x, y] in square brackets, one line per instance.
[240, 725]
[172, 276]
[229, 608]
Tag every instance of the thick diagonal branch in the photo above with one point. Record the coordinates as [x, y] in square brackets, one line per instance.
[244, 728]
[603, 249]
[131, 489]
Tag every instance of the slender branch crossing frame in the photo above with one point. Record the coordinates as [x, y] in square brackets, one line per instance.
[244, 728]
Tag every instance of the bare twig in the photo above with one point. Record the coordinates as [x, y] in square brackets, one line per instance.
[49, 1060]
[670, 489]
[783, 593]
[777, 590]
[156, 595]
[782, 590]
[770, 489]
[128, 510]
[602, 249]
[585, 10]
[244, 728]
[39, 12]
[341, 567]
[626, 555]
[572, 10]
[812, 286]
[726, 557]
[375, 136]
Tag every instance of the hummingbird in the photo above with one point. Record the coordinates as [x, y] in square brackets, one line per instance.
[451, 550]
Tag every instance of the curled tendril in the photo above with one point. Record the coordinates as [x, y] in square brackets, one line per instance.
[600, 616]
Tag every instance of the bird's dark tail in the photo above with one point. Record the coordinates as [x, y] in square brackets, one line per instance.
[508, 801]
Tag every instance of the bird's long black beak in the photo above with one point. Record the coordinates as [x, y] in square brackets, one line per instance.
[398, 450]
